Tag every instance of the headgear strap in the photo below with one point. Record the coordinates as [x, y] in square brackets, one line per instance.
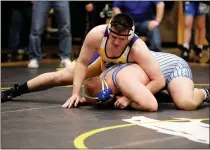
[130, 34]
[103, 95]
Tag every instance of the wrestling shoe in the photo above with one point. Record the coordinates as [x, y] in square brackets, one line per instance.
[207, 95]
[65, 62]
[185, 53]
[7, 95]
[198, 54]
[33, 63]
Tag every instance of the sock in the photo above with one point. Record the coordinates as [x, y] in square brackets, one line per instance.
[21, 89]
[24, 88]
[205, 95]
[186, 45]
[200, 46]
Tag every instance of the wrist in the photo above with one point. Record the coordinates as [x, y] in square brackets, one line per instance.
[158, 21]
[130, 105]
[74, 92]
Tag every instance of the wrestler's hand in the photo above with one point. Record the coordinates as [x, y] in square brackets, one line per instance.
[89, 7]
[152, 24]
[82, 100]
[72, 101]
[122, 102]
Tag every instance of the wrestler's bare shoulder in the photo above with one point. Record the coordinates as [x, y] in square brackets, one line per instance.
[97, 31]
[138, 43]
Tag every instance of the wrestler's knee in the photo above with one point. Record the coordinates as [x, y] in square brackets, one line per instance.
[186, 104]
[181, 90]
[65, 31]
[63, 77]
[149, 104]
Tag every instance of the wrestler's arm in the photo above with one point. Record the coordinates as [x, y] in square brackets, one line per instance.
[127, 88]
[116, 7]
[159, 11]
[91, 44]
[142, 55]
[124, 102]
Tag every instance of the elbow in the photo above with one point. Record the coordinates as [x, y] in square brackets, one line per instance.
[162, 82]
[161, 5]
[153, 109]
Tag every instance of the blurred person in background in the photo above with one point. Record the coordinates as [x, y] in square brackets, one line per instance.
[208, 27]
[145, 22]
[94, 16]
[208, 24]
[19, 27]
[194, 11]
[40, 13]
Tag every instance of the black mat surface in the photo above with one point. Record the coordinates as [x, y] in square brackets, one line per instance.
[36, 120]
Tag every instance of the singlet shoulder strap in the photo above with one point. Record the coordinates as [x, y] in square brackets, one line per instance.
[133, 40]
[106, 33]
[103, 75]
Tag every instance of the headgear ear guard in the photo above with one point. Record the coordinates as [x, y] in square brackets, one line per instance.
[103, 95]
[131, 31]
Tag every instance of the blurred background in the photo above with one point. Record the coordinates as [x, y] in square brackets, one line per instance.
[18, 14]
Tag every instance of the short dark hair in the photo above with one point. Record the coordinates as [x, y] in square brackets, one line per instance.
[122, 22]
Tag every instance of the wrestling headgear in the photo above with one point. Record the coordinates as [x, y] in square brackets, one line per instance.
[131, 30]
[104, 95]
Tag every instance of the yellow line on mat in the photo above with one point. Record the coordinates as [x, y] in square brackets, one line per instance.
[79, 141]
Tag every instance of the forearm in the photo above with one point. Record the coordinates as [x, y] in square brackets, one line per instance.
[160, 11]
[138, 106]
[155, 86]
[79, 76]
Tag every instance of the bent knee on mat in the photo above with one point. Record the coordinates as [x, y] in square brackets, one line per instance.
[63, 77]
[186, 104]
[148, 104]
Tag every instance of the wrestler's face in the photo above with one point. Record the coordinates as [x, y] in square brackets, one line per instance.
[118, 38]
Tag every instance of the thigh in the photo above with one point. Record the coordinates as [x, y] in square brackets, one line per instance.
[188, 21]
[142, 27]
[62, 13]
[177, 70]
[181, 90]
[40, 11]
[200, 21]
[16, 17]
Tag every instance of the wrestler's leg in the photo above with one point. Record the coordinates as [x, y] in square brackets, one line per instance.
[49, 80]
[61, 78]
[184, 95]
